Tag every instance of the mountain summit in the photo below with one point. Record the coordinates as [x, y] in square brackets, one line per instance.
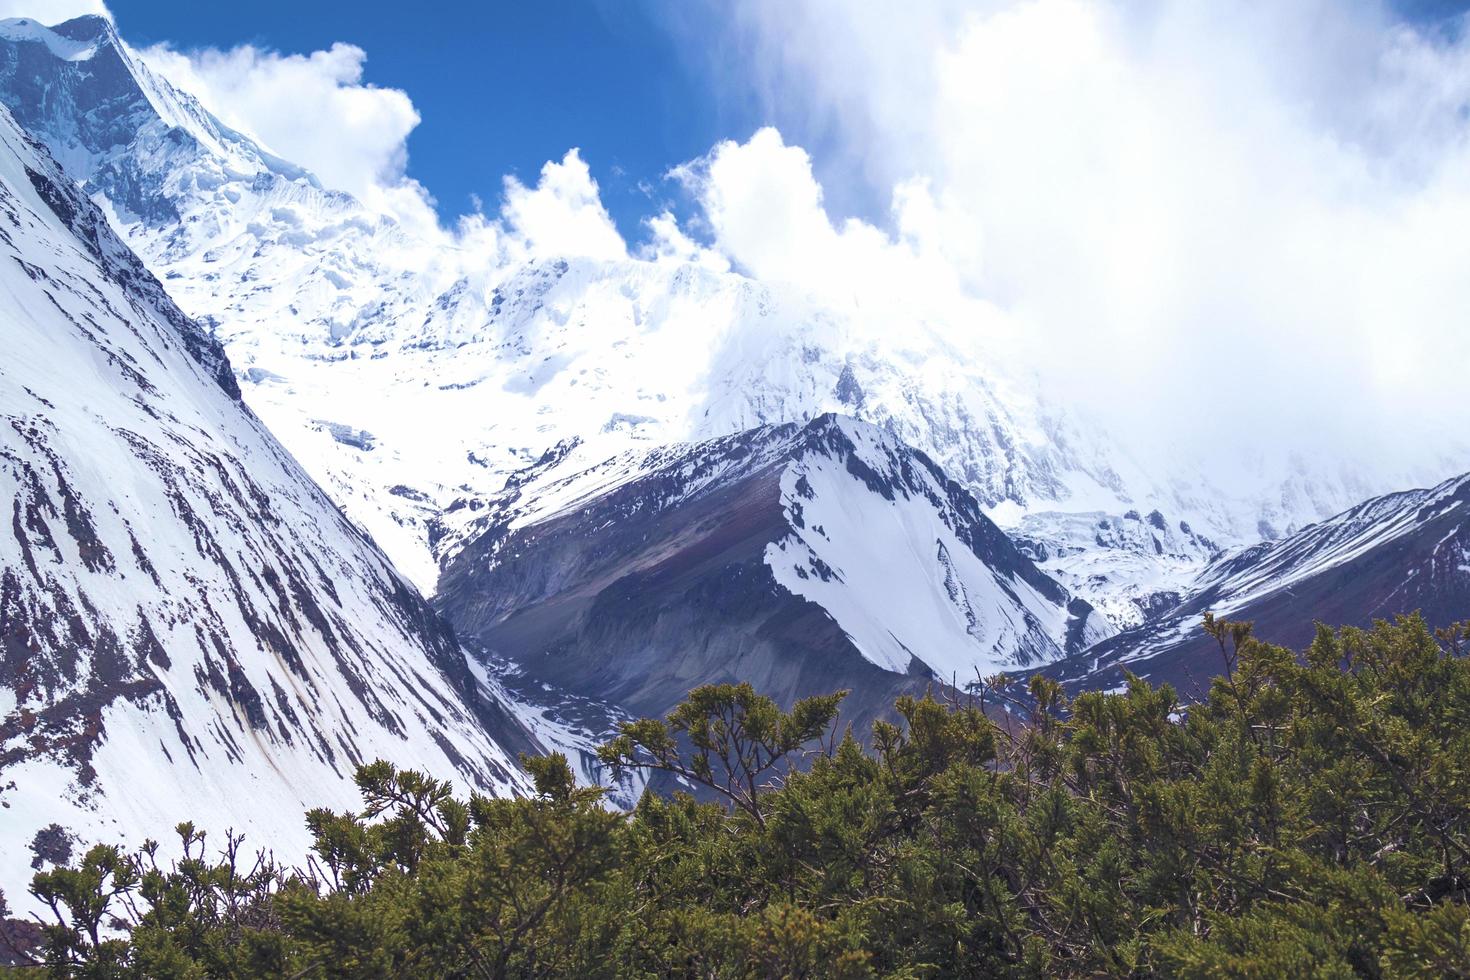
[115, 126]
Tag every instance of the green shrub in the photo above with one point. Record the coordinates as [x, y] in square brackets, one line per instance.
[1310, 818]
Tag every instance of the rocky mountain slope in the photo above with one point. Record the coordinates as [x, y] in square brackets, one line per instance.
[800, 558]
[189, 628]
[1389, 556]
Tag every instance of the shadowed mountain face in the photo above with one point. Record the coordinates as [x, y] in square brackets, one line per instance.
[188, 627]
[1389, 556]
[799, 558]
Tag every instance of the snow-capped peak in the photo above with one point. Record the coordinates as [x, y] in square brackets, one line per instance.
[836, 512]
[76, 40]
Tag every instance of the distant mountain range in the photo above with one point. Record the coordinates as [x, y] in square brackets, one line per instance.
[1395, 554]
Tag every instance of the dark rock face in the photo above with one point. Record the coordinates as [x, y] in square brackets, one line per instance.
[848, 391]
[89, 109]
[653, 609]
[1390, 556]
[663, 582]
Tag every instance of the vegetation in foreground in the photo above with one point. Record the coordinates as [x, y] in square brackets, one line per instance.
[1312, 817]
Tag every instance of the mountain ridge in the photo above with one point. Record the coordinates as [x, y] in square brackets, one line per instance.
[795, 557]
[1391, 555]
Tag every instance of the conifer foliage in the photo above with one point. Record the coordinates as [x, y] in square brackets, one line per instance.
[1309, 816]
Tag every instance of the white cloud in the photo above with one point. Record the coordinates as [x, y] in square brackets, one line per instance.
[51, 11]
[763, 208]
[667, 242]
[563, 214]
[317, 111]
[1242, 223]
[314, 110]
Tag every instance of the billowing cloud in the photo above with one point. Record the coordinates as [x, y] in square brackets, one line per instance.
[667, 242]
[314, 110]
[563, 214]
[1239, 223]
[52, 11]
[763, 208]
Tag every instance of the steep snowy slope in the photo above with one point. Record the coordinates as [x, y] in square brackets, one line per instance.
[188, 627]
[1389, 556]
[801, 558]
[407, 372]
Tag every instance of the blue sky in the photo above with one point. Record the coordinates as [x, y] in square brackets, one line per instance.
[501, 87]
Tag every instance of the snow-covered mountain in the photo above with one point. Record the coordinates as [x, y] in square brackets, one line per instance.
[408, 370]
[800, 558]
[189, 628]
[1389, 556]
